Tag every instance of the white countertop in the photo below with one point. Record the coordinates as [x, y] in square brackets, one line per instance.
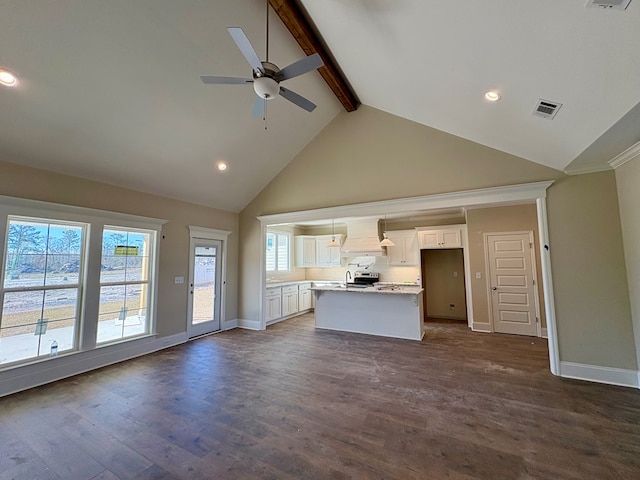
[388, 289]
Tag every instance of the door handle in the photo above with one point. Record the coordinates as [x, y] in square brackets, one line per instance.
[494, 288]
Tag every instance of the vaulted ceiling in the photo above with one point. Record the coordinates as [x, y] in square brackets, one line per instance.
[111, 90]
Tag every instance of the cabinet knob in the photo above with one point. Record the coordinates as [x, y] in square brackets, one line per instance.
[494, 288]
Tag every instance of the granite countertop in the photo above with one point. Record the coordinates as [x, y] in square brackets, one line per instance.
[384, 289]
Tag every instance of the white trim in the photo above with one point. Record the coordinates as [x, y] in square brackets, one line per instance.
[196, 232]
[36, 208]
[588, 169]
[53, 369]
[629, 154]
[596, 373]
[250, 324]
[482, 327]
[230, 324]
[484, 196]
[547, 286]
[544, 333]
[209, 233]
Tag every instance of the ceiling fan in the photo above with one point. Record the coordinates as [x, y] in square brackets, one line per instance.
[266, 76]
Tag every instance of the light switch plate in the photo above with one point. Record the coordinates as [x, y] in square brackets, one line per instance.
[177, 280]
[478, 275]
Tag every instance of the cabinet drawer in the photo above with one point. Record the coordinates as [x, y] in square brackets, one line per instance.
[273, 292]
[304, 286]
[290, 289]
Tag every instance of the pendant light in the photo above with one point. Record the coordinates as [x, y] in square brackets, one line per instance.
[385, 241]
[333, 242]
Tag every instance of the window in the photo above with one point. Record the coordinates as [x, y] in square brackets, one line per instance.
[124, 283]
[41, 288]
[278, 251]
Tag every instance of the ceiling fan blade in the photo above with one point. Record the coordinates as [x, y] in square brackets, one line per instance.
[300, 67]
[225, 80]
[258, 107]
[246, 48]
[299, 100]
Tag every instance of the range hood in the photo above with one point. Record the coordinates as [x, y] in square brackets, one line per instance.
[362, 239]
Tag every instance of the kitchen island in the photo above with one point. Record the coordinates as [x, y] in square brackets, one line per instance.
[388, 311]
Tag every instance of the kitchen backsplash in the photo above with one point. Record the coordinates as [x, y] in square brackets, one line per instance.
[387, 273]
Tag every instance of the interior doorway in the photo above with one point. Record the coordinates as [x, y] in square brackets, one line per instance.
[444, 283]
[205, 284]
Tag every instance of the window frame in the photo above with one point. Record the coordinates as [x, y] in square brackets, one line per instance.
[277, 233]
[90, 295]
[79, 286]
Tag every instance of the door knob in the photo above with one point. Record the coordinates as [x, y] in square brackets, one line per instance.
[494, 288]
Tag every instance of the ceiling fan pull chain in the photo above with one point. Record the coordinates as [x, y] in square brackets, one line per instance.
[267, 31]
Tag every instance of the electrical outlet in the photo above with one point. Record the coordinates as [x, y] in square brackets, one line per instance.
[455, 274]
[452, 306]
[478, 275]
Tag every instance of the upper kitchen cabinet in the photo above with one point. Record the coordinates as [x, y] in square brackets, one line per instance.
[313, 251]
[406, 251]
[305, 251]
[327, 256]
[440, 237]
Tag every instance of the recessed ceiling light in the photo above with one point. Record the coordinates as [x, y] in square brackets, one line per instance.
[222, 166]
[7, 78]
[492, 96]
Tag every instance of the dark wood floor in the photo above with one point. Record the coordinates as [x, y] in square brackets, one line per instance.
[295, 403]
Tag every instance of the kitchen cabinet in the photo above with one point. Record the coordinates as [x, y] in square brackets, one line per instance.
[440, 237]
[305, 251]
[273, 304]
[289, 300]
[304, 296]
[312, 251]
[406, 251]
[327, 256]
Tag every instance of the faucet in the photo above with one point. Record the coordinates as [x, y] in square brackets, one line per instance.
[347, 276]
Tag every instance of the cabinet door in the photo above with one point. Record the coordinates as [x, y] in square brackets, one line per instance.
[396, 254]
[305, 251]
[411, 250]
[273, 308]
[304, 300]
[451, 238]
[430, 239]
[328, 256]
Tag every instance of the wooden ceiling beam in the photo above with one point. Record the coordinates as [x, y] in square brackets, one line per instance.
[294, 18]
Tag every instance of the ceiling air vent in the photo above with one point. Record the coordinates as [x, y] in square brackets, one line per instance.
[546, 109]
[616, 4]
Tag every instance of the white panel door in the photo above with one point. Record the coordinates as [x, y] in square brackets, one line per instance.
[513, 291]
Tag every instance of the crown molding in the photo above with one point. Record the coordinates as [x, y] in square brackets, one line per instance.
[603, 167]
[629, 154]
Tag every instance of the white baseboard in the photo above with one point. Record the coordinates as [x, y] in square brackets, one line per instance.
[481, 327]
[229, 324]
[595, 373]
[544, 333]
[52, 369]
[249, 324]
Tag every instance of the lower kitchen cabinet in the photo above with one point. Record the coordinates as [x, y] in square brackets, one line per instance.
[289, 300]
[273, 304]
[304, 297]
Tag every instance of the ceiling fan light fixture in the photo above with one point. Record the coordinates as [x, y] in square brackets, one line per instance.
[266, 87]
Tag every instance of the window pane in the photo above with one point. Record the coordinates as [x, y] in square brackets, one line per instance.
[125, 256]
[123, 312]
[271, 252]
[25, 254]
[63, 255]
[32, 320]
[283, 252]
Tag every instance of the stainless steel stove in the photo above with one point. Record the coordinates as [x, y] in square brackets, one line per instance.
[364, 279]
